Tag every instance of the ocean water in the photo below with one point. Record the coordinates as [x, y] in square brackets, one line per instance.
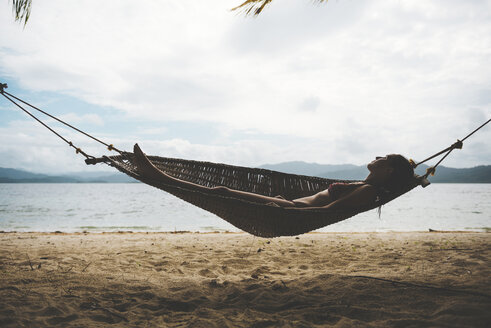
[138, 207]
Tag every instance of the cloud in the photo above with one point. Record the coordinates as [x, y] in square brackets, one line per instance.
[87, 118]
[310, 104]
[332, 83]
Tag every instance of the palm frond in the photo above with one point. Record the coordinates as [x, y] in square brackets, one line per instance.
[22, 10]
[255, 7]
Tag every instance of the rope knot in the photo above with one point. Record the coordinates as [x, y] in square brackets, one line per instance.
[3, 86]
[430, 171]
[458, 144]
[78, 150]
[110, 147]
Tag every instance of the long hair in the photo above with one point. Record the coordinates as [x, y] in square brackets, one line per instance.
[401, 175]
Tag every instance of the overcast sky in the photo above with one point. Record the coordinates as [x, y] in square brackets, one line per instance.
[335, 83]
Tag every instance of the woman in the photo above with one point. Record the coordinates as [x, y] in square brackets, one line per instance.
[388, 174]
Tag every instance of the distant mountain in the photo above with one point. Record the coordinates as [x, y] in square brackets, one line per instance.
[478, 174]
[92, 177]
[8, 175]
[19, 174]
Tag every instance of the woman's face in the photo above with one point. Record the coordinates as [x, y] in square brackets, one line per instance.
[380, 166]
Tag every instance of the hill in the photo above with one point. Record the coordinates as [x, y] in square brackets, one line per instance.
[9, 175]
[478, 174]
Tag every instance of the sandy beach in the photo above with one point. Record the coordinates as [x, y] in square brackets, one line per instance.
[427, 279]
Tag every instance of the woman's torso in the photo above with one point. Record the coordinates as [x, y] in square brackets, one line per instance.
[338, 190]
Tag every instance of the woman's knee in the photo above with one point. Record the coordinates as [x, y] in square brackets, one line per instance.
[221, 189]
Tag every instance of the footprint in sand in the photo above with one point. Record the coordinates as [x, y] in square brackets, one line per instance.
[58, 320]
[50, 311]
[225, 269]
[261, 271]
[110, 319]
[207, 273]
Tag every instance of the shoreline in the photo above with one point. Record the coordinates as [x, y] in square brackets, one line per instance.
[234, 279]
[181, 232]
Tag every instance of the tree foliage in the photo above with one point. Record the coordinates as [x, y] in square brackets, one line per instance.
[22, 10]
[255, 7]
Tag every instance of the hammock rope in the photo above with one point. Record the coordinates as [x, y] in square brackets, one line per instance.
[9, 96]
[261, 220]
[457, 145]
[77, 149]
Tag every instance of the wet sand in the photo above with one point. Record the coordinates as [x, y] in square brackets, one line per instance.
[236, 280]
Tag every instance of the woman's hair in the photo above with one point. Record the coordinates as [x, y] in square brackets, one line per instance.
[401, 175]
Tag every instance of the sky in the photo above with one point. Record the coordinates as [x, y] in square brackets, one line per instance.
[333, 83]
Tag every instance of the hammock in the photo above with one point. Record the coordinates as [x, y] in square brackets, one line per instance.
[256, 218]
[259, 219]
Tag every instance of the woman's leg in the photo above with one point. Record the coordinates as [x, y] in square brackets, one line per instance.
[147, 169]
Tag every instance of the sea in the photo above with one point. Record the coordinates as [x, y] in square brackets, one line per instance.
[138, 207]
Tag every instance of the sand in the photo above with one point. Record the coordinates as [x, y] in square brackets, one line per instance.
[236, 280]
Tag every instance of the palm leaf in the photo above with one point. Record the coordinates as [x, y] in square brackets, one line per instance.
[255, 7]
[22, 10]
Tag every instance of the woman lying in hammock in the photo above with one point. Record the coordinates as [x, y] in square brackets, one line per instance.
[388, 174]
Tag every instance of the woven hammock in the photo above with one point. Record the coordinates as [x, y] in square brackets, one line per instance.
[256, 218]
